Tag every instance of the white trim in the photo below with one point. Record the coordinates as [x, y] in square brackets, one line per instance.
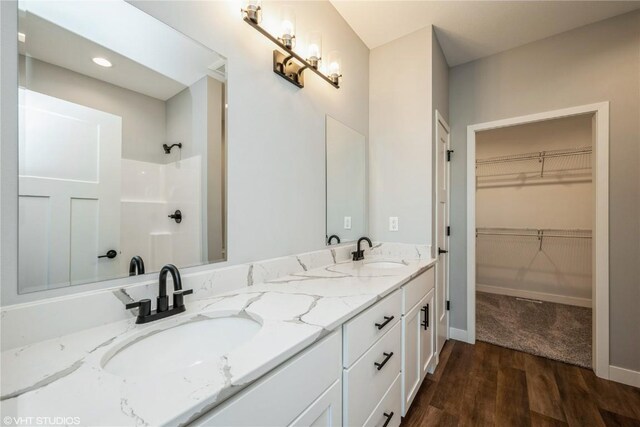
[624, 376]
[542, 296]
[458, 334]
[600, 275]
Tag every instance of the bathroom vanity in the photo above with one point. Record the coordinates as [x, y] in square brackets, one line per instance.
[335, 343]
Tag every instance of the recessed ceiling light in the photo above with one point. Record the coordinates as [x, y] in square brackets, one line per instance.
[21, 37]
[102, 62]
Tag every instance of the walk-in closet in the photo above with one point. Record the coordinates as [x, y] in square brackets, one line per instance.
[534, 221]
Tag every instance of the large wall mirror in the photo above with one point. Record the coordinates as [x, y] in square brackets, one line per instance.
[121, 145]
[346, 183]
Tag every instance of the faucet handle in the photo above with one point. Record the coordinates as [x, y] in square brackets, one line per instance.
[144, 306]
[178, 297]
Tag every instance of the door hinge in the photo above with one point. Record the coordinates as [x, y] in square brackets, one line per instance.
[448, 230]
[448, 305]
[449, 155]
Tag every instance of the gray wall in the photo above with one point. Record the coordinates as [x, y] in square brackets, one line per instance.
[143, 117]
[599, 62]
[400, 149]
[276, 153]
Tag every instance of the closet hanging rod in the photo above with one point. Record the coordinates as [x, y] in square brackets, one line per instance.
[540, 234]
[484, 233]
[540, 155]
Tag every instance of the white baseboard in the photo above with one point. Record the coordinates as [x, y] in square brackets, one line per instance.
[458, 334]
[560, 299]
[624, 376]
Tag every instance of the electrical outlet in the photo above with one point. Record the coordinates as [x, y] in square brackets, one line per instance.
[393, 223]
[347, 223]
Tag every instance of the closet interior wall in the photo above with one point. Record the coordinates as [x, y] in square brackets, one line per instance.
[534, 214]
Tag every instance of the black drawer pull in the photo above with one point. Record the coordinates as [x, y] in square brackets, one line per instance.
[388, 417]
[387, 319]
[384, 362]
[425, 323]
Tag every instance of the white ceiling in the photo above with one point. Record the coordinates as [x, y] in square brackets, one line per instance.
[148, 56]
[469, 30]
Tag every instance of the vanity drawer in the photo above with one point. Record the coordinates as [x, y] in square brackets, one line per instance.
[389, 407]
[416, 289]
[362, 331]
[365, 383]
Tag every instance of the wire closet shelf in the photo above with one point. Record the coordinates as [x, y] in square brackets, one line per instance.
[539, 233]
[538, 163]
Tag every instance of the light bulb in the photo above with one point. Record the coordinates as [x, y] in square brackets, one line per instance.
[253, 10]
[334, 67]
[288, 27]
[314, 49]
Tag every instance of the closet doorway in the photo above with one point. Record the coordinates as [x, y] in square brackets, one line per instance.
[537, 235]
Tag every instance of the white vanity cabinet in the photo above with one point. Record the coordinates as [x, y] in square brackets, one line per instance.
[305, 391]
[417, 334]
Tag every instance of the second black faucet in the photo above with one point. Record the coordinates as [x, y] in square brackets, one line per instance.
[358, 255]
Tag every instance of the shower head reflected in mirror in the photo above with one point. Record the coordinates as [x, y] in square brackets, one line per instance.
[167, 148]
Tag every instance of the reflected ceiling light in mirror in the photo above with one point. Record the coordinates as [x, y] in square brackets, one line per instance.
[253, 10]
[288, 27]
[314, 49]
[103, 62]
[334, 66]
[22, 37]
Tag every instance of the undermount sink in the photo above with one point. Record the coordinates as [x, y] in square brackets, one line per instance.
[384, 264]
[181, 347]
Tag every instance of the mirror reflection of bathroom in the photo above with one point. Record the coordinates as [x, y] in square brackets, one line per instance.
[121, 147]
[346, 183]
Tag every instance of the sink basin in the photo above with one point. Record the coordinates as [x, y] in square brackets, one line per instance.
[181, 347]
[384, 264]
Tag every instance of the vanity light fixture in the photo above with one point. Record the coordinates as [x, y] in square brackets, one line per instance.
[290, 65]
[103, 62]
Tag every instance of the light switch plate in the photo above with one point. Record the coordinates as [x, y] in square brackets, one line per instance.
[393, 223]
[347, 223]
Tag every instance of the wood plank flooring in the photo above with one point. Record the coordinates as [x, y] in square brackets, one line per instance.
[487, 385]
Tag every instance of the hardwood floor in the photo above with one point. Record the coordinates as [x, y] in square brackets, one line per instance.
[487, 385]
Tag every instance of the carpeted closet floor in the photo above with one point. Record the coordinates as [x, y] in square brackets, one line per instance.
[556, 331]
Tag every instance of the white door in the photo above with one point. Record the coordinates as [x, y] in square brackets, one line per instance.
[426, 339]
[411, 367]
[442, 268]
[69, 192]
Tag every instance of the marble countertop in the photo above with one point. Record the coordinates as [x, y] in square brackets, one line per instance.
[65, 376]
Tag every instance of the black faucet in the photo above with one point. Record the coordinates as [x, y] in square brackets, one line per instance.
[333, 236]
[136, 266]
[162, 305]
[358, 255]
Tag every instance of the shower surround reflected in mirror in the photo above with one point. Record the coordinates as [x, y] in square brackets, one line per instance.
[103, 88]
[346, 183]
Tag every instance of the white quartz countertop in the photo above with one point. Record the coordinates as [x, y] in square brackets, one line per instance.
[65, 377]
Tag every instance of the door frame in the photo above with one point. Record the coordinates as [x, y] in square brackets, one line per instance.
[439, 119]
[600, 245]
